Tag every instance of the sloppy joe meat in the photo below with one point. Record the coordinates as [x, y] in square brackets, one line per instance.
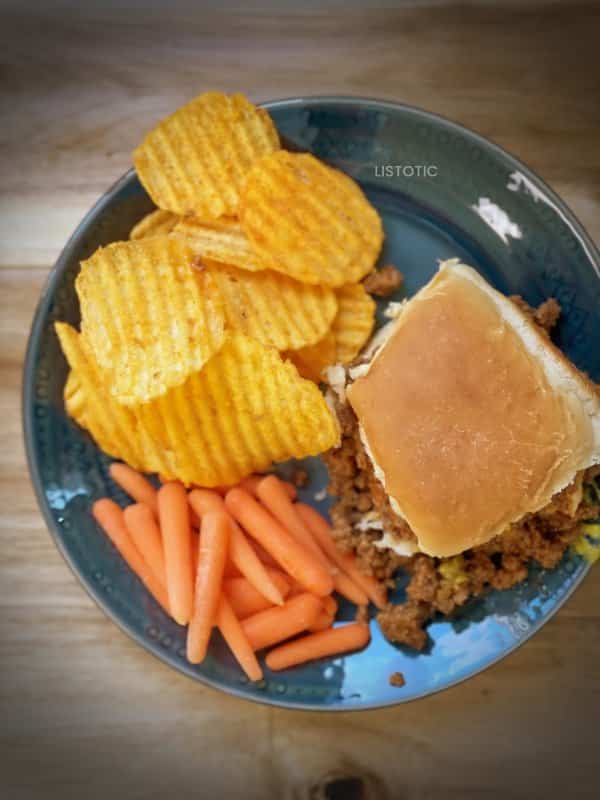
[362, 512]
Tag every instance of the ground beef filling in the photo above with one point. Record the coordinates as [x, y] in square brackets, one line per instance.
[383, 281]
[443, 585]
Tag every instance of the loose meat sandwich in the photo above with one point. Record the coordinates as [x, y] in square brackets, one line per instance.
[467, 440]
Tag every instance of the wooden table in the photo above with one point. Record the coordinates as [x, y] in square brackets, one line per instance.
[84, 711]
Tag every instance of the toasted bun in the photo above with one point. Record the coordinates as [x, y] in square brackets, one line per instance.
[471, 416]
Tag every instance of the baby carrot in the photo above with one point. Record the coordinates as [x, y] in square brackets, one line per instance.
[295, 559]
[264, 557]
[290, 489]
[331, 642]
[233, 633]
[322, 533]
[231, 571]
[276, 624]
[349, 589]
[207, 500]
[251, 482]
[246, 600]
[214, 538]
[110, 517]
[330, 605]
[271, 492]
[322, 622]
[132, 482]
[327, 615]
[241, 552]
[194, 519]
[145, 533]
[195, 547]
[296, 588]
[273, 495]
[174, 518]
[193, 516]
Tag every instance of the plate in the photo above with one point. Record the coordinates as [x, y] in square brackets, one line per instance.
[442, 191]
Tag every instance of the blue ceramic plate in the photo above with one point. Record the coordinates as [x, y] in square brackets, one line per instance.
[442, 191]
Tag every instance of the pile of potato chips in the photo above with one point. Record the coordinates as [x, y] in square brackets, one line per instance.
[203, 337]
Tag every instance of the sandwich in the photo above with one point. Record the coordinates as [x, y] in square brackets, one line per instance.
[468, 438]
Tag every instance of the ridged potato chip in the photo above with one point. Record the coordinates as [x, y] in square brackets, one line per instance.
[312, 360]
[195, 161]
[74, 398]
[156, 223]
[222, 240]
[354, 322]
[116, 429]
[148, 316]
[272, 308]
[87, 401]
[308, 220]
[244, 410]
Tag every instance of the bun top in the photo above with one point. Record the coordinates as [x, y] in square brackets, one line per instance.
[471, 416]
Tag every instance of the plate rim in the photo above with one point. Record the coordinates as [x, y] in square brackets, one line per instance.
[28, 399]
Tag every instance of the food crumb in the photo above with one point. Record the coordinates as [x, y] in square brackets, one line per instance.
[300, 478]
[546, 315]
[397, 679]
[320, 495]
[383, 282]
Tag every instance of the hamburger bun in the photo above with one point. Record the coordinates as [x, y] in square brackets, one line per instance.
[471, 416]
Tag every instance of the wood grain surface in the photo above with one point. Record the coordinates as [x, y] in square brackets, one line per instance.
[85, 712]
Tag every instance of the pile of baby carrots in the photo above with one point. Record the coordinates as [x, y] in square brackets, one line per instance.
[248, 560]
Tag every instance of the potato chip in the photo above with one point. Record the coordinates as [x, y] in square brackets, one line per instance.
[156, 223]
[148, 316]
[354, 322]
[112, 426]
[246, 409]
[222, 240]
[312, 360]
[308, 220]
[74, 397]
[272, 308]
[115, 428]
[195, 161]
